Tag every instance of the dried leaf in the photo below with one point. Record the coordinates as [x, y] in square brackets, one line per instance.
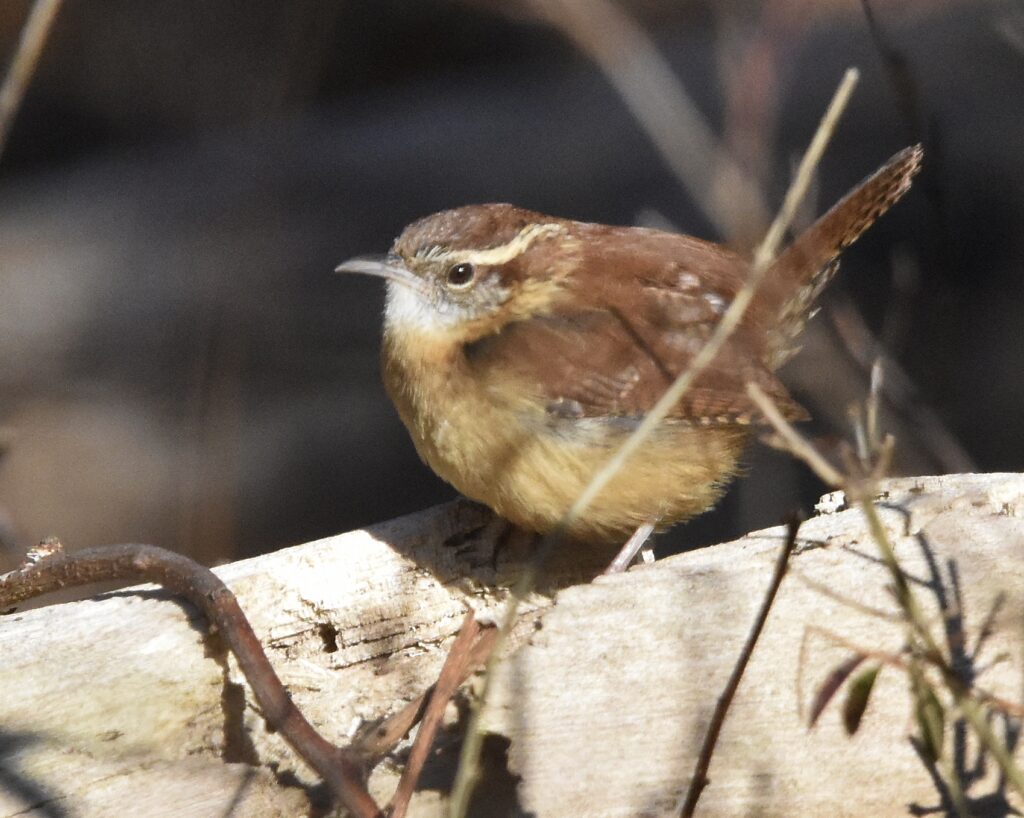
[831, 685]
[857, 694]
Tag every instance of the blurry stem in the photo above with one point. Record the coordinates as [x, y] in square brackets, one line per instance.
[657, 99]
[916, 620]
[956, 791]
[862, 491]
[795, 443]
[468, 769]
[763, 257]
[975, 715]
[23, 64]
[871, 421]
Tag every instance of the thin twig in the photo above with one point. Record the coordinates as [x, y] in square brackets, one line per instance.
[460, 657]
[468, 769]
[205, 590]
[921, 642]
[23, 64]
[385, 736]
[900, 391]
[795, 443]
[884, 657]
[699, 779]
[975, 716]
[763, 257]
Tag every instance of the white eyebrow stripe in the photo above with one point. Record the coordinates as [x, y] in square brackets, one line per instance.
[502, 253]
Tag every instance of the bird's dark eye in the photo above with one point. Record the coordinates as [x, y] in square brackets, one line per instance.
[460, 275]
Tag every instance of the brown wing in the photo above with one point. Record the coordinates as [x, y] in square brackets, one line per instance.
[628, 335]
[639, 304]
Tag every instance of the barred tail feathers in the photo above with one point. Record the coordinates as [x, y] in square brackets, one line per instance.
[801, 271]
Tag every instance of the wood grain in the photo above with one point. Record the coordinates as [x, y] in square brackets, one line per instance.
[121, 703]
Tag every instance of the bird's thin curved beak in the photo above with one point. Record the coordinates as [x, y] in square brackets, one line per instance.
[388, 267]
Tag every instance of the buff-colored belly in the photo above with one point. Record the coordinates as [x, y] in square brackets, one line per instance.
[530, 469]
[675, 476]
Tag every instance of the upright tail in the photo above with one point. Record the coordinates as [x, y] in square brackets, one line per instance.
[801, 271]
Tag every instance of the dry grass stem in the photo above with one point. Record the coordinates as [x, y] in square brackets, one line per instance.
[900, 392]
[763, 257]
[468, 769]
[24, 62]
[792, 441]
[657, 99]
[699, 779]
[922, 649]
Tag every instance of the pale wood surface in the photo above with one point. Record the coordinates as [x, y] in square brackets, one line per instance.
[121, 705]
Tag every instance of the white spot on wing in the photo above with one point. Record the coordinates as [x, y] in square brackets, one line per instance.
[687, 281]
[716, 302]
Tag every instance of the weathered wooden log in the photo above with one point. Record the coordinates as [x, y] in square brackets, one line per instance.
[122, 704]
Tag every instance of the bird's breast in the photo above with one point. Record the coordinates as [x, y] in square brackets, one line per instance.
[497, 446]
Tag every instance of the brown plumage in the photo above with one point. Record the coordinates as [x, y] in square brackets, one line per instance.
[521, 349]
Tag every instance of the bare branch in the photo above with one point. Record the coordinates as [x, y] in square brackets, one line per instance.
[456, 665]
[700, 773]
[205, 590]
[656, 97]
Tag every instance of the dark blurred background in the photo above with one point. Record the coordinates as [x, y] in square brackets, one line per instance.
[178, 365]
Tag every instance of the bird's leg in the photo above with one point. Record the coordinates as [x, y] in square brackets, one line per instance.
[635, 544]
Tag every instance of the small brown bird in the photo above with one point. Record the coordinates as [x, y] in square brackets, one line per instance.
[521, 349]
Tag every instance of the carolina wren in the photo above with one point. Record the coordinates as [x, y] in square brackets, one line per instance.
[521, 349]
